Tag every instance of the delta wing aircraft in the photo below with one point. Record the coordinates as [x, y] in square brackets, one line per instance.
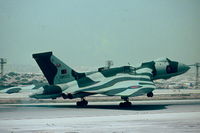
[125, 81]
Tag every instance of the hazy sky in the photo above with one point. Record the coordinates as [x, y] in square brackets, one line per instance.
[89, 32]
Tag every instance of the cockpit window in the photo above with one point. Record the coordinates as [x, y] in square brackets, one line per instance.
[172, 67]
[169, 69]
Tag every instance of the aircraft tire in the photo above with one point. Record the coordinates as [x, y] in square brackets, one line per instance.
[150, 94]
[125, 104]
[83, 103]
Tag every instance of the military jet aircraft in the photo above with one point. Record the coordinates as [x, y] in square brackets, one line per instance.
[125, 81]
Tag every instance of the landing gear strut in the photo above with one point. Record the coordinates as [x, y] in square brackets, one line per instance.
[82, 103]
[126, 103]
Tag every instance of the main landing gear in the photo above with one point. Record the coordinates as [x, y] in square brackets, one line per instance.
[126, 103]
[150, 94]
[82, 103]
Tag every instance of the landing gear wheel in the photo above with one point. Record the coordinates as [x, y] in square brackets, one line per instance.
[150, 94]
[82, 103]
[125, 104]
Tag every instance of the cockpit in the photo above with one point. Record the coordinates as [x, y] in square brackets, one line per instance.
[167, 68]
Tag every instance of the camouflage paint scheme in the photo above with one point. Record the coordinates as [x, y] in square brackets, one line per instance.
[125, 81]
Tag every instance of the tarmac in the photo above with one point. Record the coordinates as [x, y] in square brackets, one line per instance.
[154, 116]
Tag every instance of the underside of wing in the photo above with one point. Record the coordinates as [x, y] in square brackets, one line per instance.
[131, 91]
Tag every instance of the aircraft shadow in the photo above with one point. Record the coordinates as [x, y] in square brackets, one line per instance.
[109, 107]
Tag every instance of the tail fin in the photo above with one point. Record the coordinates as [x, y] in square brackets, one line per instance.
[55, 70]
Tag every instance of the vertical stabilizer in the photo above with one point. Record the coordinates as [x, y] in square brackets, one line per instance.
[54, 70]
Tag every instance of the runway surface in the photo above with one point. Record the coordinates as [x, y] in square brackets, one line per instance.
[164, 116]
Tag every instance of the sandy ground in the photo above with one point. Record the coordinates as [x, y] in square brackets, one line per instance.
[166, 116]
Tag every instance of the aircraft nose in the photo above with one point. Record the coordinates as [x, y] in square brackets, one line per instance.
[183, 68]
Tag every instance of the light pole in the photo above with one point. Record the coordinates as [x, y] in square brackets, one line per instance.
[2, 62]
